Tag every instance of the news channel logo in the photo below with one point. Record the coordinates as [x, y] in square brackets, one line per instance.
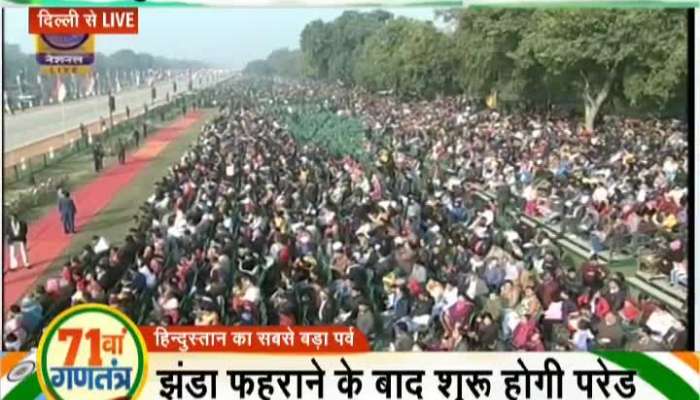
[65, 54]
[91, 352]
[65, 42]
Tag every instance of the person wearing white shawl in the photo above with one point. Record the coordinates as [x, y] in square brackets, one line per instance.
[529, 193]
[670, 168]
[600, 195]
[179, 225]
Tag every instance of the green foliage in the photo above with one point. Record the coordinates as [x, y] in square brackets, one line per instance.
[259, 67]
[316, 47]
[410, 58]
[43, 192]
[486, 40]
[128, 59]
[622, 60]
[329, 48]
[286, 62]
[282, 62]
[15, 63]
[638, 57]
[658, 76]
[642, 52]
[340, 136]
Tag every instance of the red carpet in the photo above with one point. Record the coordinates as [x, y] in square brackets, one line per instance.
[46, 240]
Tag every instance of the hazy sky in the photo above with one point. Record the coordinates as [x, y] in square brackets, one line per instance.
[224, 36]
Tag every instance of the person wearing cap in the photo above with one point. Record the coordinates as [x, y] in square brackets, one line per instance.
[32, 314]
[207, 314]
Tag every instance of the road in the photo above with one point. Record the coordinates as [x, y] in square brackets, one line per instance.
[39, 123]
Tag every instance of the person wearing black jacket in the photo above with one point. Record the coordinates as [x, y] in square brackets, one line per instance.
[17, 242]
[121, 151]
[327, 309]
[97, 156]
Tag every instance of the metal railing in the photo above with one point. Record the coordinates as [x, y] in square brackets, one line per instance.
[30, 158]
[27, 160]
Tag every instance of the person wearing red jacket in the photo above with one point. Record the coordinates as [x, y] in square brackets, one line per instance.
[600, 306]
[523, 332]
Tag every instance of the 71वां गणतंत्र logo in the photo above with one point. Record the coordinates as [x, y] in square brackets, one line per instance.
[91, 352]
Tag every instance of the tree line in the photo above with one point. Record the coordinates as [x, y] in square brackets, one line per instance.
[631, 62]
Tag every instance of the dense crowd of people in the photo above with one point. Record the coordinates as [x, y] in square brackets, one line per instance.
[425, 247]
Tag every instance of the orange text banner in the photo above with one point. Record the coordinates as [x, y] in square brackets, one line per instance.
[277, 339]
[73, 21]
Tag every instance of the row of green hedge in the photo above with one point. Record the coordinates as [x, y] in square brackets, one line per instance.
[340, 136]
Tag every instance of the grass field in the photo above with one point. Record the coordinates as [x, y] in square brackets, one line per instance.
[115, 220]
[78, 167]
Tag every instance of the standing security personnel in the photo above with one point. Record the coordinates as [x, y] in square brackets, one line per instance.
[97, 155]
[121, 151]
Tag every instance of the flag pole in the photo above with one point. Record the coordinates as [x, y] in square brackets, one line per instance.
[63, 120]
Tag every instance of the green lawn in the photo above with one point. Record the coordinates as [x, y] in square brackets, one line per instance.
[78, 166]
[114, 221]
